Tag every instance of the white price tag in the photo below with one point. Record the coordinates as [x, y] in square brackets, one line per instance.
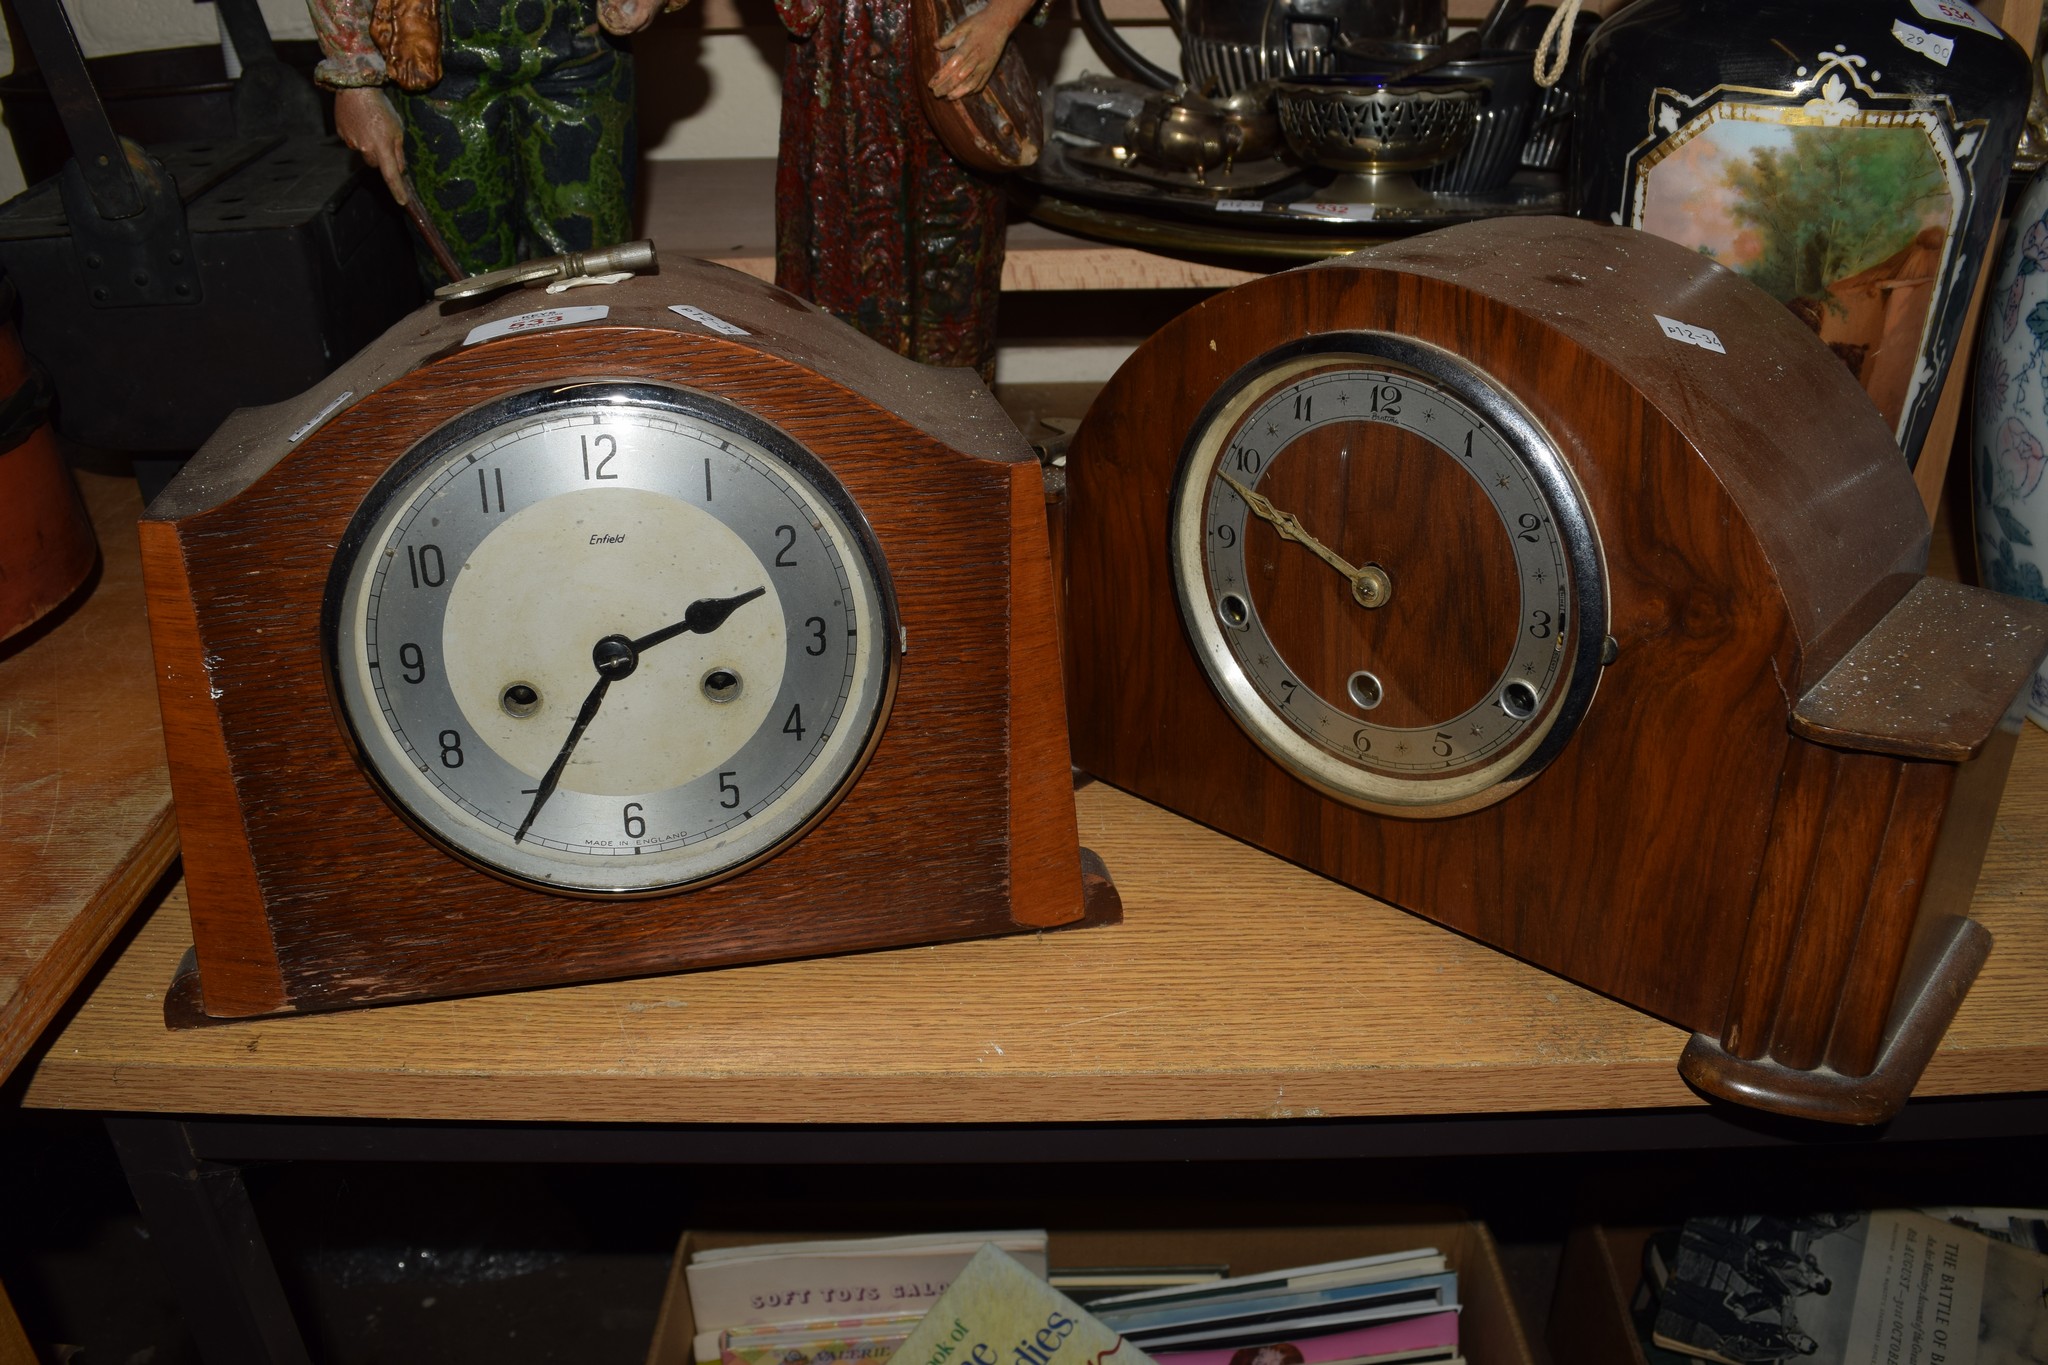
[1932, 46]
[1958, 13]
[535, 321]
[333, 406]
[1701, 337]
[1316, 208]
[1239, 205]
[711, 320]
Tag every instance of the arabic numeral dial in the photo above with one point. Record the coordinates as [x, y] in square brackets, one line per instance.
[1380, 561]
[612, 639]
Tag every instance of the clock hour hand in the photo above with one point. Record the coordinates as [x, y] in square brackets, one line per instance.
[701, 617]
[1370, 586]
[616, 657]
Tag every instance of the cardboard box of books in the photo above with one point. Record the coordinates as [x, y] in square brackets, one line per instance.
[1429, 1292]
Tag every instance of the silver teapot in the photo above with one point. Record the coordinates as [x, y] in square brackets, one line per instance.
[1181, 130]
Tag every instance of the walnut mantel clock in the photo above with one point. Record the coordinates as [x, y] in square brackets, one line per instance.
[674, 625]
[1553, 582]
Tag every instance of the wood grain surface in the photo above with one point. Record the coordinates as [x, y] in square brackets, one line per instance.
[1238, 986]
[1754, 522]
[85, 803]
[1688, 729]
[946, 834]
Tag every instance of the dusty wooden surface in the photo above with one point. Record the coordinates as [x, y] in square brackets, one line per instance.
[1237, 987]
[85, 803]
[724, 211]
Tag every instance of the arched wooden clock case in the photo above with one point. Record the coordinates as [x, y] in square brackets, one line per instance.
[1553, 582]
[361, 824]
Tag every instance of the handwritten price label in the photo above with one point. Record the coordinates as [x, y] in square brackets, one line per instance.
[704, 319]
[1932, 46]
[1701, 337]
[535, 321]
[1957, 13]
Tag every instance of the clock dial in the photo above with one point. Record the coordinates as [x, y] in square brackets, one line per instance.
[612, 638]
[1388, 573]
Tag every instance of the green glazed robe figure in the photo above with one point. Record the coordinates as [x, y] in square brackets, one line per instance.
[525, 144]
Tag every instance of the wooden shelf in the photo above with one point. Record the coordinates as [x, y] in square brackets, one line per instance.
[85, 801]
[1238, 987]
[724, 211]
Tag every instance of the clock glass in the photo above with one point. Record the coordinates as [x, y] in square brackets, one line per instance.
[1388, 573]
[612, 638]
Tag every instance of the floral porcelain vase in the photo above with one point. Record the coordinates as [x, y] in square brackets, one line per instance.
[2009, 442]
[1849, 156]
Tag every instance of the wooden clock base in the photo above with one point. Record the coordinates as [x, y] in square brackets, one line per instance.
[1930, 994]
[185, 1009]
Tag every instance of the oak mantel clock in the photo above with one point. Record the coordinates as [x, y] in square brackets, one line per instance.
[1553, 582]
[672, 625]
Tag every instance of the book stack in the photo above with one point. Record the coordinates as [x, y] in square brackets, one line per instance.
[845, 1302]
[1395, 1309]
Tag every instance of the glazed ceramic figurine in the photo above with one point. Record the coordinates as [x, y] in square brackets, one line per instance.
[874, 219]
[514, 118]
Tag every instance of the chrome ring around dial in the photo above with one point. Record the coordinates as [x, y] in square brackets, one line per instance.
[1303, 472]
[710, 573]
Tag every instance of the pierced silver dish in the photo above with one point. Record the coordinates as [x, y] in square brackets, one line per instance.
[1375, 131]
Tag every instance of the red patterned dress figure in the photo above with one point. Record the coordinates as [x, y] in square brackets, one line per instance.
[874, 219]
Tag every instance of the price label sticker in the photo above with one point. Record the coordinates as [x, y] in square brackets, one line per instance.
[1932, 46]
[1321, 208]
[1240, 205]
[1701, 337]
[704, 319]
[537, 320]
[312, 423]
[1957, 13]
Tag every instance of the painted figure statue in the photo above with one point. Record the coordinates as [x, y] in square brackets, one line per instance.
[874, 219]
[513, 118]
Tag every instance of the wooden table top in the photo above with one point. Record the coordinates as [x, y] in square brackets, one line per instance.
[85, 801]
[1237, 987]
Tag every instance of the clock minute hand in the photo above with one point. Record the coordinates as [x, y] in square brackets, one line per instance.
[587, 714]
[1370, 586]
[701, 617]
[616, 657]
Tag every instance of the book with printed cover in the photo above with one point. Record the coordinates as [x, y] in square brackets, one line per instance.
[1891, 1287]
[998, 1312]
[788, 1282]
